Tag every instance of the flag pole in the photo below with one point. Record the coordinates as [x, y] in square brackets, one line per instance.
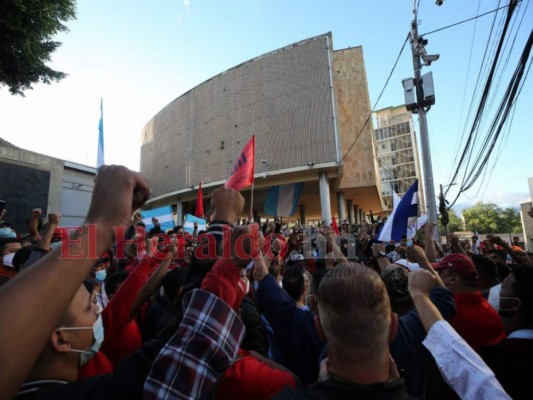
[252, 203]
[253, 182]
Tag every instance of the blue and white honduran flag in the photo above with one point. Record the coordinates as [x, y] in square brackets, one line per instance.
[395, 201]
[283, 200]
[188, 224]
[166, 220]
[396, 225]
[416, 225]
[100, 157]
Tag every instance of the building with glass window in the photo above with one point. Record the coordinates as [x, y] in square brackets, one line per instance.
[397, 153]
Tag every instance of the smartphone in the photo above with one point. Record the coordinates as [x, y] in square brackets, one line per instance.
[409, 243]
[2, 205]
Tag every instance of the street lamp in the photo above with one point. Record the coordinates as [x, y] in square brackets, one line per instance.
[267, 166]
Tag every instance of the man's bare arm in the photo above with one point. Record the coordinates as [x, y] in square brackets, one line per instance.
[54, 279]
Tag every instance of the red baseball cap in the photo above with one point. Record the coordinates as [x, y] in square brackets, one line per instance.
[458, 263]
[60, 234]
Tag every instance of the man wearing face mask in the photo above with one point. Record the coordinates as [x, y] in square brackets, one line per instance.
[44, 342]
[8, 248]
[99, 273]
[70, 346]
[512, 359]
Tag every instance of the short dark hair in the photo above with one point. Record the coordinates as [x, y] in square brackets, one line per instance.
[114, 281]
[486, 267]
[90, 284]
[173, 281]
[500, 253]
[22, 255]
[5, 241]
[396, 278]
[275, 269]
[293, 282]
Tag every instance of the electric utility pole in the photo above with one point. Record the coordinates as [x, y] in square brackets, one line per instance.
[419, 94]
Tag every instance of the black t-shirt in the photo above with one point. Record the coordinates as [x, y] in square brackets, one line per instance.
[127, 382]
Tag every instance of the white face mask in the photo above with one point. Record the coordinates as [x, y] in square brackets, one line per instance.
[8, 260]
[245, 285]
[98, 336]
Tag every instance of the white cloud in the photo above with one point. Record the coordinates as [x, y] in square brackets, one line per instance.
[179, 18]
[186, 3]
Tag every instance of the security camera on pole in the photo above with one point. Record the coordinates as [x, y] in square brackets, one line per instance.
[419, 97]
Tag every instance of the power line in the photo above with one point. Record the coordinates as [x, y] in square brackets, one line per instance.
[484, 96]
[377, 101]
[510, 51]
[464, 93]
[474, 95]
[507, 105]
[466, 20]
[493, 134]
[500, 151]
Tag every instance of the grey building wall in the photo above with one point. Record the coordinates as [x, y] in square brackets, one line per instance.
[28, 180]
[31, 180]
[527, 225]
[76, 192]
[283, 97]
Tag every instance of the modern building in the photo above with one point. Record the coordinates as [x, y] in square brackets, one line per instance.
[308, 107]
[31, 180]
[397, 154]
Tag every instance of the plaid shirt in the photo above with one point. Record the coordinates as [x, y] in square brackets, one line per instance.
[205, 344]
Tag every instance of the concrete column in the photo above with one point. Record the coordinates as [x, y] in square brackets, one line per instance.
[350, 211]
[341, 207]
[179, 212]
[303, 221]
[325, 205]
[356, 214]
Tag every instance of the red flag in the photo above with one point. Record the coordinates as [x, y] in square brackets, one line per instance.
[242, 174]
[199, 212]
[334, 226]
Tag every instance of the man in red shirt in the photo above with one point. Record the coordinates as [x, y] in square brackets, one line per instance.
[476, 321]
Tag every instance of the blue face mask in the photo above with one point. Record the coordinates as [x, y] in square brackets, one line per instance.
[7, 232]
[101, 275]
[98, 335]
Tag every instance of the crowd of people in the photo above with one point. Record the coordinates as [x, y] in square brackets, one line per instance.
[110, 310]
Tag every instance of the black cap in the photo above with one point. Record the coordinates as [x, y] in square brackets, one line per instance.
[22, 255]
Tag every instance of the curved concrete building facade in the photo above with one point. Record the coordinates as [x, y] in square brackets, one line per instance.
[305, 104]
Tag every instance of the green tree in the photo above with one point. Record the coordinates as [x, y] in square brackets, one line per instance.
[489, 218]
[511, 221]
[26, 31]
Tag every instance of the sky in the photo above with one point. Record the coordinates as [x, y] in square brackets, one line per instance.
[140, 55]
